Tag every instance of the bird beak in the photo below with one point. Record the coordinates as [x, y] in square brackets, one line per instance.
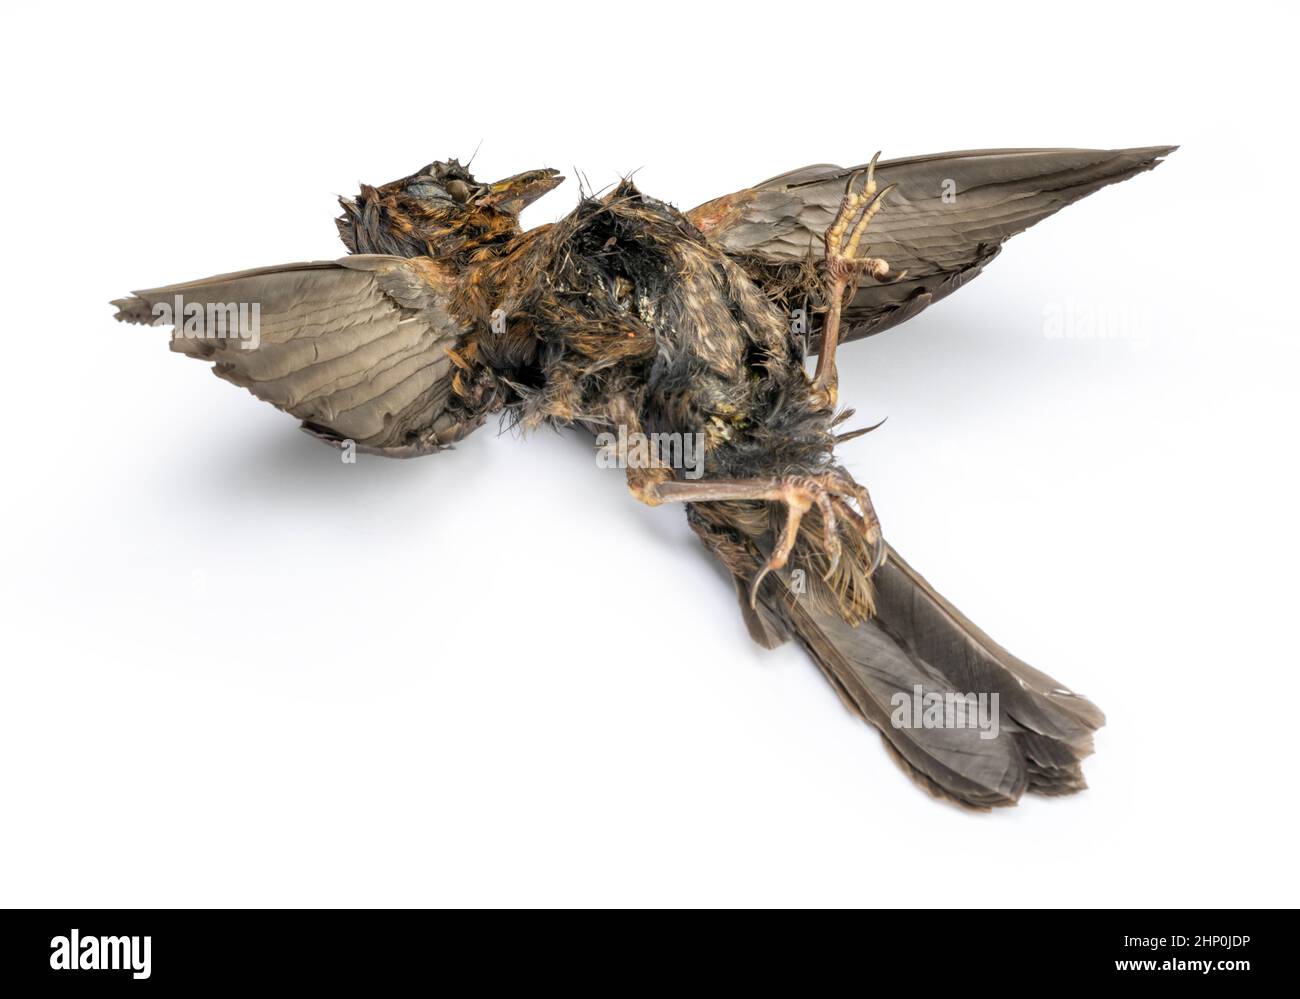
[516, 193]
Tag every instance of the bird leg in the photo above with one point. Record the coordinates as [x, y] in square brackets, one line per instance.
[844, 267]
[830, 491]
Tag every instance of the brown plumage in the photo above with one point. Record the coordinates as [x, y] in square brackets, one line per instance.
[628, 316]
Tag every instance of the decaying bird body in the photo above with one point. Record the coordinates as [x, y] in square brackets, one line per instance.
[630, 315]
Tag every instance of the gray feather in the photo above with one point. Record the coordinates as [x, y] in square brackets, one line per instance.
[917, 640]
[355, 348]
[947, 218]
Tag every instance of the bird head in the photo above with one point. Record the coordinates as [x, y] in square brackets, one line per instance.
[440, 211]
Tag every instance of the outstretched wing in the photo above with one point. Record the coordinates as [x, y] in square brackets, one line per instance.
[355, 348]
[947, 218]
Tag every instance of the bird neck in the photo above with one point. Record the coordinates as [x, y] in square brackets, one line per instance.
[409, 228]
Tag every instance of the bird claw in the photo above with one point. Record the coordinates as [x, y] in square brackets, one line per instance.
[844, 236]
[833, 494]
[844, 267]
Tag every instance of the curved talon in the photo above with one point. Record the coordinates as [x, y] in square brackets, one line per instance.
[879, 554]
[753, 587]
[796, 505]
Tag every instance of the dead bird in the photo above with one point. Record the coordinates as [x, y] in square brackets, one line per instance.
[635, 320]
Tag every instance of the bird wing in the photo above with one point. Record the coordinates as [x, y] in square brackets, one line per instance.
[947, 218]
[356, 348]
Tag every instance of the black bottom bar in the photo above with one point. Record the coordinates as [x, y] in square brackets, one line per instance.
[1022, 950]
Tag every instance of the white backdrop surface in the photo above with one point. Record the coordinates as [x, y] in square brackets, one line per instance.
[237, 671]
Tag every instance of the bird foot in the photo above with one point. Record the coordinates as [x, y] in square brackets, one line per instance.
[834, 496]
[844, 237]
[844, 268]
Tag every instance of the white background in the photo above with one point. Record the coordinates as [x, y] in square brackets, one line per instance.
[237, 671]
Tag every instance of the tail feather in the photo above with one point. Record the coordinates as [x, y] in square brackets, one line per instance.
[919, 649]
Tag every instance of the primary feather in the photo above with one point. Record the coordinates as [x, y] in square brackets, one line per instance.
[946, 219]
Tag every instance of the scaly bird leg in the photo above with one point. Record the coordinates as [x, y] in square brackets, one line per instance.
[830, 491]
[844, 267]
